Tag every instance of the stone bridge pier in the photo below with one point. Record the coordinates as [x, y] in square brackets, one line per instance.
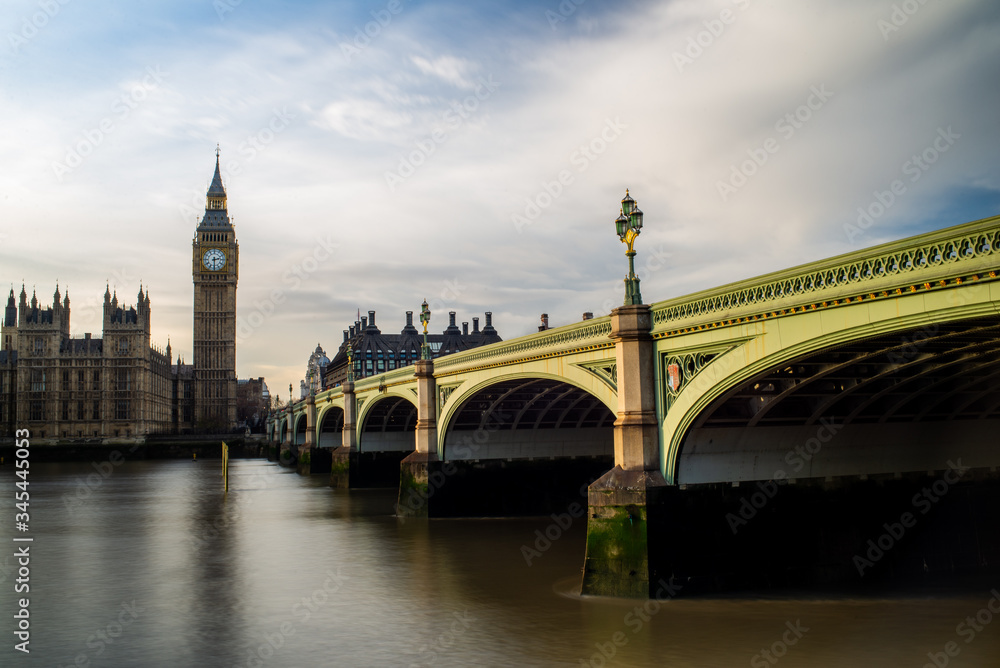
[832, 423]
[625, 524]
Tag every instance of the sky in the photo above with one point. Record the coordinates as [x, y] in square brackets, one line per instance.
[377, 154]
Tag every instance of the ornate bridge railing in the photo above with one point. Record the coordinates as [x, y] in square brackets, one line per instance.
[926, 262]
[588, 334]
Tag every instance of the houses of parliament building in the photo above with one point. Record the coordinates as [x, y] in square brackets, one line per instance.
[120, 385]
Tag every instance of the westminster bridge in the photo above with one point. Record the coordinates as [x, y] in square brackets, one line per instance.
[769, 431]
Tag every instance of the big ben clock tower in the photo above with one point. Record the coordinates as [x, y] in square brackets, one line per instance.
[215, 270]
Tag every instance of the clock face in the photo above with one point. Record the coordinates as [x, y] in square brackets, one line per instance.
[214, 259]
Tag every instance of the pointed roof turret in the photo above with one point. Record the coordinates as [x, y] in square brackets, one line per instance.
[217, 189]
[216, 215]
[10, 314]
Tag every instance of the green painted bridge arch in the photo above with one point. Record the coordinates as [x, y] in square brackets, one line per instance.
[710, 349]
[763, 366]
[883, 362]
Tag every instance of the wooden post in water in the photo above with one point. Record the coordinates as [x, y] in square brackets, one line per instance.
[225, 466]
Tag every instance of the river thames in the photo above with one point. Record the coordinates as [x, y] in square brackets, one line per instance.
[153, 565]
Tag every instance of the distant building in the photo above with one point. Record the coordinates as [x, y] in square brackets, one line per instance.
[120, 385]
[60, 387]
[315, 368]
[253, 403]
[375, 352]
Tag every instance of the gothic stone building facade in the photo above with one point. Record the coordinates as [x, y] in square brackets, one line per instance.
[375, 353]
[121, 386]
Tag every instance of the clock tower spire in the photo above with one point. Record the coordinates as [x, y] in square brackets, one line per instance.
[215, 271]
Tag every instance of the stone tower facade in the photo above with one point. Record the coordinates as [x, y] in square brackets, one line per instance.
[63, 388]
[215, 271]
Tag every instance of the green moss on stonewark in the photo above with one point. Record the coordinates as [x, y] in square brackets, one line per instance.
[340, 472]
[413, 491]
[620, 537]
[617, 562]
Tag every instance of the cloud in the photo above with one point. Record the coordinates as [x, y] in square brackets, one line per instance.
[683, 131]
[448, 68]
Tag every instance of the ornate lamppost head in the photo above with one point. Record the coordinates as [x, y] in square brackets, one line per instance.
[425, 318]
[628, 225]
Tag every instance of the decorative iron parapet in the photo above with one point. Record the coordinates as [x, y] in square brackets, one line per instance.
[925, 260]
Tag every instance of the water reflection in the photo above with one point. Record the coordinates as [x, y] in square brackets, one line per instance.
[283, 571]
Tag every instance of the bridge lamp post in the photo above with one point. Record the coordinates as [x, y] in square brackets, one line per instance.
[628, 225]
[425, 318]
[350, 361]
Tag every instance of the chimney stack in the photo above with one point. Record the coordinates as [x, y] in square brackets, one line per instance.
[364, 322]
[345, 336]
[588, 315]
[545, 323]
[465, 329]
[475, 325]
[409, 318]
[371, 319]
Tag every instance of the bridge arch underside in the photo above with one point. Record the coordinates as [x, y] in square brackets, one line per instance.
[387, 434]
[867, 461]
[525, 446]
[905, 402]
[299, 433]
[530, 418]
[389, 426]
[331, 427]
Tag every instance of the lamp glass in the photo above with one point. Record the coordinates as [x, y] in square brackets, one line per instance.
[627, 204]
[621, 226]
[635, 220]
